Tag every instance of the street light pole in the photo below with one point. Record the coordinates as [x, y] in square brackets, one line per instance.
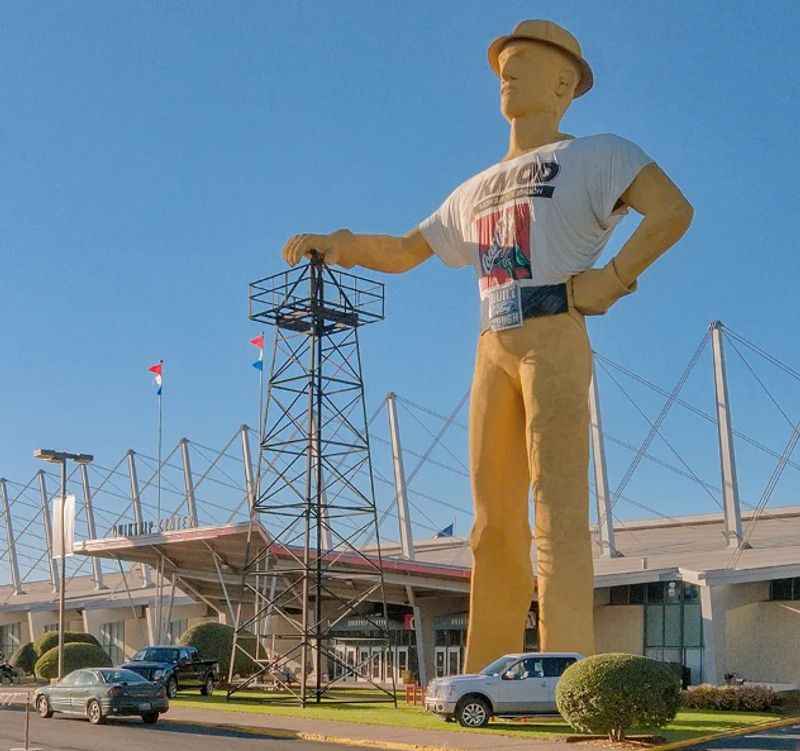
[61, 457]
[63, 570]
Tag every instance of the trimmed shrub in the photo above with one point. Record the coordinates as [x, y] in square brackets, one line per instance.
[214, 642]
[24, 658]
[611, 693]
[49, 639]
[77, 655]
[731, 698]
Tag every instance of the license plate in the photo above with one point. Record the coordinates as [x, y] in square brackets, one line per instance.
[144, 707]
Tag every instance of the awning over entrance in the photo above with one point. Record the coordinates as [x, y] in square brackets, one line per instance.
[207, 563]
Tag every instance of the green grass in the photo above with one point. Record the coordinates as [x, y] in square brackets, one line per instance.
[688, 723]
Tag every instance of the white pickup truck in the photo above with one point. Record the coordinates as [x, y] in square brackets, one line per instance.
[511, 686]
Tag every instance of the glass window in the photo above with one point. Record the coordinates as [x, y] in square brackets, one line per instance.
[439, 638]
[692, 625]
[85, 678]
[672, 592]
[691, 592]
[112, 640]
[619, 596]
[10, 638]
[122, 676]
[654, 654]
[638, 594]
[70, 679]
[176, 628]
[796, 592]
[655, 592]
[654, 626]
[672, 625]
[694, 661]
[781, 589]
[498, 667]
[533, 668]
[555, 666]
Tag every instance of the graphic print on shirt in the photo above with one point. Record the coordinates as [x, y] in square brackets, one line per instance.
[503, 214]
[504, 238]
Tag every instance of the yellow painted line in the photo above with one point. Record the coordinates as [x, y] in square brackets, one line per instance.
[772, 725]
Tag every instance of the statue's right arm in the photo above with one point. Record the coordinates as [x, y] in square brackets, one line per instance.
[392, 255]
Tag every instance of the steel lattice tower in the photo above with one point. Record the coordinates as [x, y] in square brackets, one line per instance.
[313, 513]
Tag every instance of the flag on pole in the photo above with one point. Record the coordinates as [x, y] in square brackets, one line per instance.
[446, 532]
[156, 370]
[69, 526]
[258, 342]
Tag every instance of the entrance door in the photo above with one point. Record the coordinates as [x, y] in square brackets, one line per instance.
[376, 664]
[350, 658]
[440, 658]
[363, 663]
[401, 662]
[453, 660]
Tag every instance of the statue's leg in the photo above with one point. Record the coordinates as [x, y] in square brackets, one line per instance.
[555, 379]
[502, 575]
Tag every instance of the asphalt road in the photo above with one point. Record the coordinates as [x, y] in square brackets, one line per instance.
[780, 739]
[63, 733]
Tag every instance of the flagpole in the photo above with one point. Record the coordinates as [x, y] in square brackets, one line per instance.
[261, 397]
[160, 437]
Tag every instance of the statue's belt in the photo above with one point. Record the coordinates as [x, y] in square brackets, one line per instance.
[547, 300]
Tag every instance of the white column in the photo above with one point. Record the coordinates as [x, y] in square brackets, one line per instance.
[10, 541]
[714, 609]
[97, 569]
[727, 458]
[605, 520]
[188, 482]
[136, 502]
[48, 531]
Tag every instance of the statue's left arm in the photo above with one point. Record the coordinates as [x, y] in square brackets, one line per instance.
[667, 215]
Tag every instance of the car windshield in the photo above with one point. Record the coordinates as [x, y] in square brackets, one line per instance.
[157, 654]
[121, 676]
[499, 666]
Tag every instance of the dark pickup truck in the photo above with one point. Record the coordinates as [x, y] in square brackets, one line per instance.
[175, 668]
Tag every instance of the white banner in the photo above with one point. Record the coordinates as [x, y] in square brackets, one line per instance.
[69, 525]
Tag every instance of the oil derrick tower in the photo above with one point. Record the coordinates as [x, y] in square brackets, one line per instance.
[313, 555]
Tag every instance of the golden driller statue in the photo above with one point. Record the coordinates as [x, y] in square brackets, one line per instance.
[532, 226]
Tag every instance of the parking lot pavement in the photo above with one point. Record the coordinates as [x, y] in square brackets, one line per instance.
[63, 733]
[778, 739]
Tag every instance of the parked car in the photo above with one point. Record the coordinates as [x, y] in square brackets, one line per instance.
[175, 668]
[513, 685]
[98, 693]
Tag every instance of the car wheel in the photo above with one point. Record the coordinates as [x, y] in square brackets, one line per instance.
[172, 688]
[473, 712]
[43, 707]
[95, 713]
[208, 687]
[150, 718]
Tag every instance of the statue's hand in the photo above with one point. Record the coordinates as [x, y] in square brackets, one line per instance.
[335, 248]
[594, 291]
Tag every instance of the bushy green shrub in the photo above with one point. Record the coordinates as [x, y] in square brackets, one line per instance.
[611, 693]
[49, 639]
[77, 655]
[730, 698]
[24, 658]
[214, 641]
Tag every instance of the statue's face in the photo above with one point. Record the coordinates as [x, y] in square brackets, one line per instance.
[534, 78]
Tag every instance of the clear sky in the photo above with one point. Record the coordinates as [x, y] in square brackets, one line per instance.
[156, 155]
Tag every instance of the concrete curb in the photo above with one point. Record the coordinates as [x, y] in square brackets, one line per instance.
[786, 722]
[314, 737]
[399, 746]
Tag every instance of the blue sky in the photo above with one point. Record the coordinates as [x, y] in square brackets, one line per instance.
[156, 155]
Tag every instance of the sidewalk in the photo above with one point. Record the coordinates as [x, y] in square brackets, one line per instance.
[375, 736]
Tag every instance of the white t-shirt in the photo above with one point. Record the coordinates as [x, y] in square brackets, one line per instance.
[537, 219]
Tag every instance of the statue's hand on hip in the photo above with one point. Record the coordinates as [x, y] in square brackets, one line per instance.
[336, 248]
[594, 291]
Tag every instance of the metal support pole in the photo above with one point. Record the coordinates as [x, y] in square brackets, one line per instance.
[48, 531]
[401, 491]
[247, 458]
[404, 523]
[605, 520]
[727, 458]
[188, 483]
[136, 501]
[97, 569]
[16, 582]
[62, 537]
